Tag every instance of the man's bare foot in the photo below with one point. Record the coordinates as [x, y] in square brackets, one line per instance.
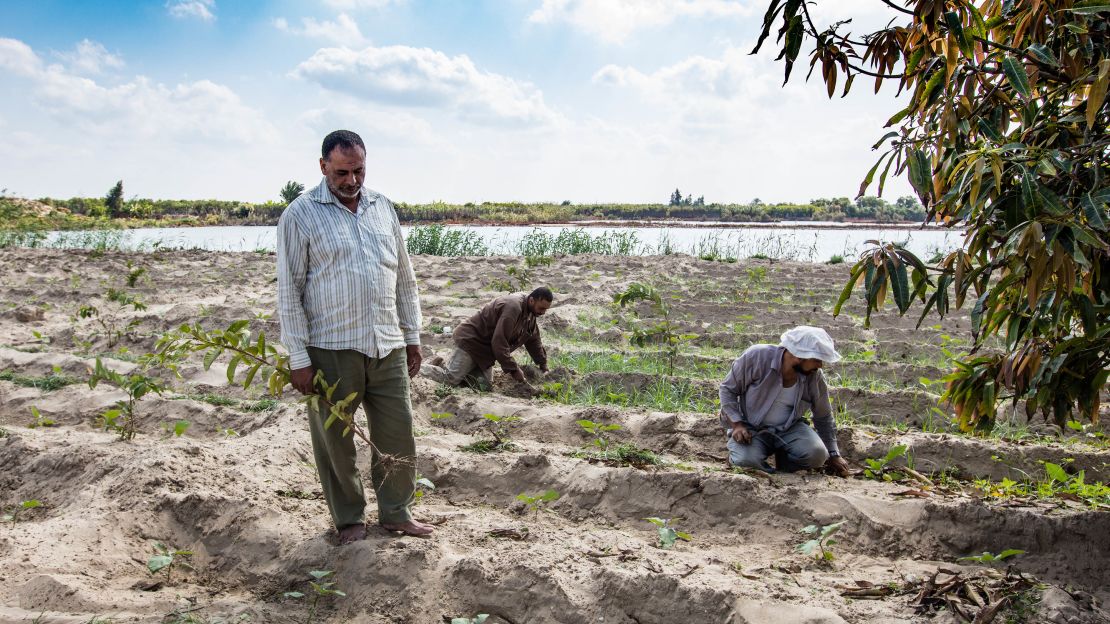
[412, 527]
[352, 533]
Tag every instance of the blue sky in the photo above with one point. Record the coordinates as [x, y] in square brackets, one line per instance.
[529, 100]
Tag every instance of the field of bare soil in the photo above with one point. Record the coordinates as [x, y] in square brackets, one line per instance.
[237, 488]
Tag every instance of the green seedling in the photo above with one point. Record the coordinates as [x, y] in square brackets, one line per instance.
[110, 319]
[167, 559]
[39, 420]
[820, 546]
[667, 533]
[177, 430]
[423, 487]
[228, 432]
[13, 515]
[479, 619]
[878, 469]
[122, 418]
[320, 589]
[499, 427]
[551, 390]
[441, 415]
[599, 432]
[663, 330]
[991, 558]
[539, 501]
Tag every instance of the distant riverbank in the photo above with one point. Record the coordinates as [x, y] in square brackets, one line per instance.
[93, 213]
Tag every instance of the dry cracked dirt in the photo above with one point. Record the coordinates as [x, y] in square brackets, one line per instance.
[238, 489]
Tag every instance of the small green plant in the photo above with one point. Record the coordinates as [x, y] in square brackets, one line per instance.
[178, 428]
[663, 330]
[228, 432]
[479, 619]
[39, 420]
[539, 501]
[122, 418]
[110, 319]
[133, 274]
[499, 427]
[424, 486]
[836, 259]
[13, 515]
[991, 558]
[551, 390]
[599, 432]
[441, 416]
[320, 589]
[879, 469]
[667, 533]
[820, 546]
[167, 559]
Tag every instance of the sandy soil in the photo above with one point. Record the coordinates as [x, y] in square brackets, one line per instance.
[239, 491]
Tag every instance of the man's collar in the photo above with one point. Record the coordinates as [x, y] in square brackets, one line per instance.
[776, 364]
[322, 194]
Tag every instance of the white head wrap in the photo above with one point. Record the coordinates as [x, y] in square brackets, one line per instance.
[807, 342]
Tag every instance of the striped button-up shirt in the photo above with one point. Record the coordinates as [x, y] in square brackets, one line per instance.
[344, 279]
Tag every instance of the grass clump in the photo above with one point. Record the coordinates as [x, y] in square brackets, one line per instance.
[46, 383]
[438, 240]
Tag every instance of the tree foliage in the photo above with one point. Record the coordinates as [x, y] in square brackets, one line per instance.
[292, 190]
[1004, 133]
[114, 200]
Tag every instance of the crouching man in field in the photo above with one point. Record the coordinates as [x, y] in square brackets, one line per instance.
[766, 395]
[491, 336]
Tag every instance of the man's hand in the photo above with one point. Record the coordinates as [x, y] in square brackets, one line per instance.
[838, 466]
[519, 376]
[301, 378]
[414, 357]
[741, 434]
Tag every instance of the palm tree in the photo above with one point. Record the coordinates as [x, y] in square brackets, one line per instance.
[292, 190]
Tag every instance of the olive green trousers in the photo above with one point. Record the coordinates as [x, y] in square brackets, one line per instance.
[381, 386]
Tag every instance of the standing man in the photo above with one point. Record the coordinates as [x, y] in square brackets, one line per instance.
[491, 335]
[349, 308]
[767, 393]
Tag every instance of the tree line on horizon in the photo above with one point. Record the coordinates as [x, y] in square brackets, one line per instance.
[867, 208]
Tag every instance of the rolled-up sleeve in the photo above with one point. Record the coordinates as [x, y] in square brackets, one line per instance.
[292, 271]
[823, 420]
[408, 293]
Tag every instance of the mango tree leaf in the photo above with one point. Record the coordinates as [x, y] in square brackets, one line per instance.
[1015, 74]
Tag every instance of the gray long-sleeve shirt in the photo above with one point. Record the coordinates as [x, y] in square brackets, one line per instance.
[344, 279]
[749, 392]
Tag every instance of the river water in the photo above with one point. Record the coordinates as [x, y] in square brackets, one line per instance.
[787, 242]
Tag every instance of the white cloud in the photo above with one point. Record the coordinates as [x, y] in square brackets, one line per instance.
[347, 5]
[18, 58]
[195, 9]
[377, 127]
[408, 76]
[343, 31]
[702, 84]
[614, 20]
[90, 57]
[138, 109]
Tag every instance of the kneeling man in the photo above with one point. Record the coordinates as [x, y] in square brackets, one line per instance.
[491, 336]
[766, 395]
